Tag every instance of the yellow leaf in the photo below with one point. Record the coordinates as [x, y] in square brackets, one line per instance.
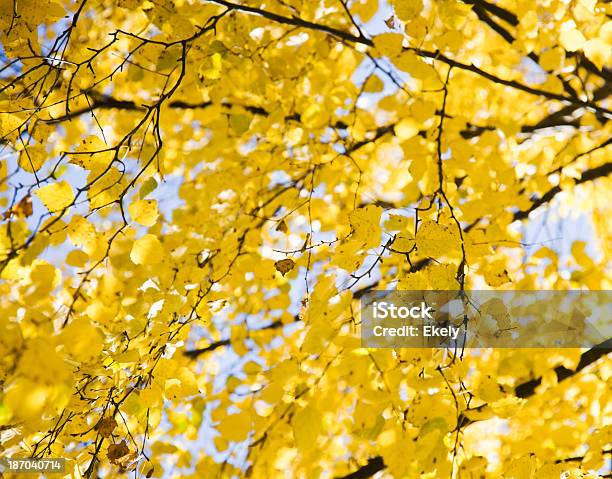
[570, 37]
[307, 426]
[522, 468]
[423, 110]
[129, 356]
[373, 84]
[26, 399]
[348, 256]
[496, 274]
[408, 10]
[473, 467]
[389, 44]
[442, 276]
[552, 59]
[235, 427]
[598, 51]
[397, 223]
[104, 189]
[406, 129]
[211, 69]
[314, 116]
[144, 212]
[32, 158]
[366, 9]
[80, 231]
[82, 340]
[507, 406]
[148, 187]
[434, 239]
[76, 258]
[366, 225]
[409, 62]
[488, 389]
[147, 250]
[579, 254]
[56, 196]
[9, 125]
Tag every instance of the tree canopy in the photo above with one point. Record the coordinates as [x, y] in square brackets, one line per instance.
[195, 194]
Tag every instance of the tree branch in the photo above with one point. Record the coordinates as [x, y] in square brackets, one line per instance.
[349, 37]
[480, 9]
[194, 353]
[588, 175]
[374, 465]
[511, 83]
[107, 102]
[496, 10]
[482, 6]
[527, 389]
[296, 22]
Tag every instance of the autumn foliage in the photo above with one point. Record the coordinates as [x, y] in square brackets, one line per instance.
[195, 195]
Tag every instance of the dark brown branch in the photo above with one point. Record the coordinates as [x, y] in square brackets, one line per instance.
[496, 10]
[527, 389]
[605, 452]
[480, 9]
[296, 21]
[194, 353]
[580, 155]
[99, 102]
[588, 175]
[105, 102]
[484, 17]
[373, 466]
[511, 83]
[557, 118]
[349, 37]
